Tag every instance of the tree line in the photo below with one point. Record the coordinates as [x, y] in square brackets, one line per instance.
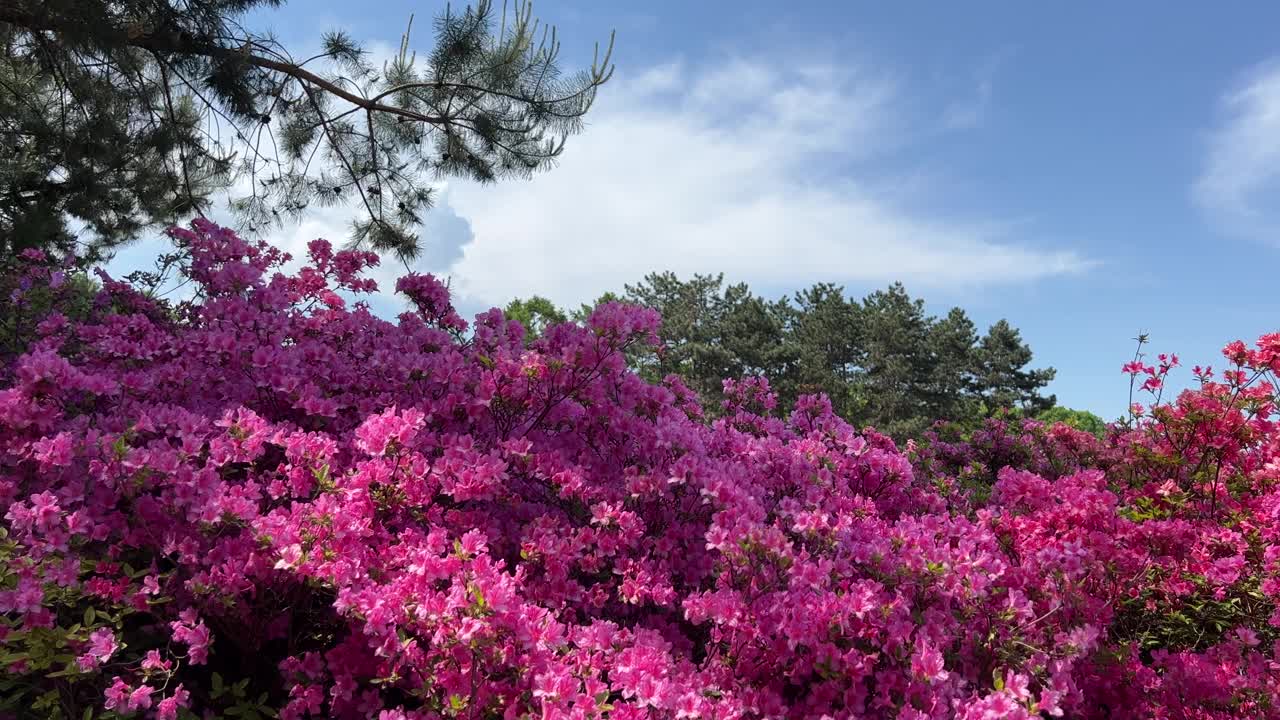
[120, 116]
[882, 359]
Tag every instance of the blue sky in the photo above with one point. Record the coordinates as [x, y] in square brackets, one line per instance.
[1087, 171]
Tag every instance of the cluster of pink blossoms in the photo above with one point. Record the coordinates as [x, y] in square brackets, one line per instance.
[269, 502]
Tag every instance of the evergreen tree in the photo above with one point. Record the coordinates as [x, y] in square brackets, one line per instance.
[752, 331]
[709, 332]
[883, 361]
[122, 114]
[691, 311]
[952, 342]
[823, 331]
[896, 362]
[1002, 380]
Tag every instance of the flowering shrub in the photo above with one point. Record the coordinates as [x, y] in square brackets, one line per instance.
[267, 502]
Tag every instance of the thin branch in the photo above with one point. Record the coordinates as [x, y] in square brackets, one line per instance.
[182, 143]
[337, 148]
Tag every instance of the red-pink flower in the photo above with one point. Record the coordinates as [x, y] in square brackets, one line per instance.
[927, 663]
[117, 695]
[167, 709]
[140, 698]
[386, 518]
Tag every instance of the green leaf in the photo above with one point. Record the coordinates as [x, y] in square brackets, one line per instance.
[90, 614]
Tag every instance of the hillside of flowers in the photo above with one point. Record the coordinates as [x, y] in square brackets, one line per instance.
[265, 501]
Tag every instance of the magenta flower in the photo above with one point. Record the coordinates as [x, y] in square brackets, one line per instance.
[102, 645]
[117, 695]
[390, 519]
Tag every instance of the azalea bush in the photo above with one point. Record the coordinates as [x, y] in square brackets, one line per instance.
[265, 501]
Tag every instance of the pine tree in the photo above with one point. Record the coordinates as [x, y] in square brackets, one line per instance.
[1002, 380]
[896, 362]
[691, 313]
[710, 332]
[883, 361]
[952, 342]
[123, 114]
[752, 331]
[823, 328]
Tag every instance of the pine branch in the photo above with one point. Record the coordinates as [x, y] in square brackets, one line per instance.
[176, 43]
[497, 101]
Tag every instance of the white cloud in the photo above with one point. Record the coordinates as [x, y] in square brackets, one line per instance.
[773, 176]
[729, 170]
[1240, 183]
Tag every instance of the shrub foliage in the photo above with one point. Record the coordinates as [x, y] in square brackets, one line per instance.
[268, 502]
